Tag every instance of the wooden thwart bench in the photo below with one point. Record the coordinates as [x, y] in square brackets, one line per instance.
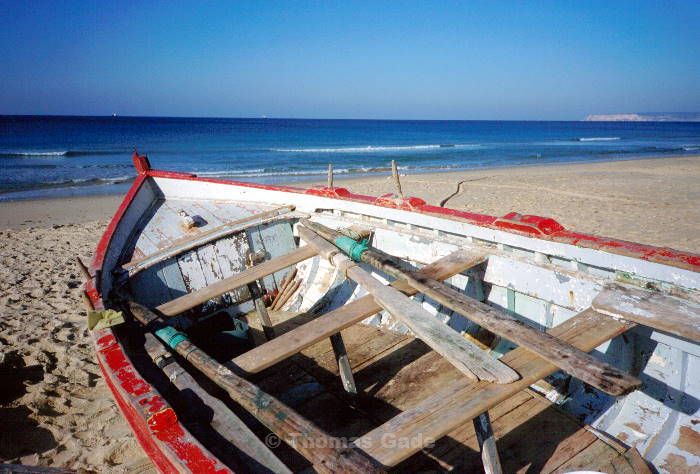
[249, 275]
[665, 313]
[570, 359]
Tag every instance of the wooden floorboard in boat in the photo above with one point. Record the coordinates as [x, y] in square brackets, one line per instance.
[462, 443]
[394, 372]
[362, 343]
[597, 456]
[282, 321]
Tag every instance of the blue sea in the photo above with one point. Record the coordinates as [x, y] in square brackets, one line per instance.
[62, 156]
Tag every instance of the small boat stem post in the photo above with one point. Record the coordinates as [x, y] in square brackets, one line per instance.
[487, 444]
[327, 453]
[599, 374]
[87, 302]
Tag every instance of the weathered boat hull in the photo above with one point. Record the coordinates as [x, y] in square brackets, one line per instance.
[537, 270]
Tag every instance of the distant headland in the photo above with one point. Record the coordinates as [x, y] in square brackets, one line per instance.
[646, 117]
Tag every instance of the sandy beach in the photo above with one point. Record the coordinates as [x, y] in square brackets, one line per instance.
[59, 412]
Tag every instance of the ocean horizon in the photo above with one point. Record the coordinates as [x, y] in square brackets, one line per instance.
[51, 156]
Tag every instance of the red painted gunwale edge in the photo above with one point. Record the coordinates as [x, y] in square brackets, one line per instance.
[161, 435]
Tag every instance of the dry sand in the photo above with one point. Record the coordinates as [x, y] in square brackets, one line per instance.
[55, 409]
[58, 411]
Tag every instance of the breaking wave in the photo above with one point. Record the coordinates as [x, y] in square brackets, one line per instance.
[597, 139]
[32, 153]
[90, 181]
[265, 172]
[67, 183]
[52, 154]
[375, 149]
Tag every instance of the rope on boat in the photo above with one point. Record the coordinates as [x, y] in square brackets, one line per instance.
[351, 247]
[171, 336]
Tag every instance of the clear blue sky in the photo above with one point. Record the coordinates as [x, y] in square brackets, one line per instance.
[434, 60]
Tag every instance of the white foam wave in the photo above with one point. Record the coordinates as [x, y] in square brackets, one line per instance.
[598, 139]
[118, 179]
[691, 148]
[34, 153]
[374, 149]
[115, 180]
[69, 181]
[212, 174]
[262, 173]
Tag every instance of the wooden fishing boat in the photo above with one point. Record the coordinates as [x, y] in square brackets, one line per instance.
[269, 328]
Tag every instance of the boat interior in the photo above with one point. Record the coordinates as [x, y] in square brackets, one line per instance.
[247, 285]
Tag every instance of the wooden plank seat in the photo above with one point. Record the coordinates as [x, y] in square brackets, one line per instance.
[665, 313]
[568, 358]
[249, 275]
